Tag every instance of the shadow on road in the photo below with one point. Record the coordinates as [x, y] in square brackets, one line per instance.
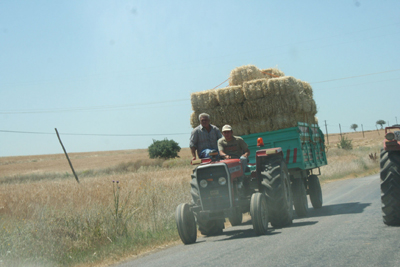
[337, 209]
[244, 233]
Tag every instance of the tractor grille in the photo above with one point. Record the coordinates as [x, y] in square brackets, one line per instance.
[215, 196]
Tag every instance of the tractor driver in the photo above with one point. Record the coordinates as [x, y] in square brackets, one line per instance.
[231, 146]
[204, 137]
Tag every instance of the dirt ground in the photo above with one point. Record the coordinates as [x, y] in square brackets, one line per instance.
[98, 160]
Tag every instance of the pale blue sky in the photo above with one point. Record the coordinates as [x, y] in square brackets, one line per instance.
[128, 67]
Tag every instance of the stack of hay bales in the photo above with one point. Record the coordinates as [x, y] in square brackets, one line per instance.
[256, 101]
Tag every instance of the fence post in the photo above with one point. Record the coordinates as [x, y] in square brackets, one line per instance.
[340, 128]
[65, 152]
[326, 130]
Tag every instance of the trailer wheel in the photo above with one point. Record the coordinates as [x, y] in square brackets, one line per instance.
[300, 198]
[390, 187]
[186, 224]
[259, 213]
[276, 185]
[315, 191]
[210, 227]
[236, 218]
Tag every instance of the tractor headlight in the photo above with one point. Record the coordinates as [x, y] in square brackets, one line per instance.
[203, 183]
[389, 136]
[222, 180]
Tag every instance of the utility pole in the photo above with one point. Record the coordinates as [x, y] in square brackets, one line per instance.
[362, 128]
[340, 128]
[326, 130]
[66, 155]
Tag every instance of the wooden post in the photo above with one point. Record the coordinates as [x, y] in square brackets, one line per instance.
[326, 130]
[65, 152]
[362, 128]
[340, 128]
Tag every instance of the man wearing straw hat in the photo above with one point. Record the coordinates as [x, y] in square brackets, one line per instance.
[231, 146]
[204, 137]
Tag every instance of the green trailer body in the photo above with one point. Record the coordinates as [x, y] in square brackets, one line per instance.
[303, 146]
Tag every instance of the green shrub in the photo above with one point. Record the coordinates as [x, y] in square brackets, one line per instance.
[345, 143]
[166, 149]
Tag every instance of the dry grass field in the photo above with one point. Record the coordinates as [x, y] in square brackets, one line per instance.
[124, 204]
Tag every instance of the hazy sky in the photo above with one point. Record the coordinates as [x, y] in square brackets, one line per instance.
[106, 71]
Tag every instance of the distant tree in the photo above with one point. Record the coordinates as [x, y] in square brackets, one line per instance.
[381, 123]
[354, 126]
[165, 149]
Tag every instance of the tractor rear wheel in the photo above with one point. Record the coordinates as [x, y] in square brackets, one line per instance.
[276, 185]
[186, 224]
[390, 187]
[259, 213]
[300, 198]
[315, 191]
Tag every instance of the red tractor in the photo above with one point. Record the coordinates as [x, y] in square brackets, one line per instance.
[222, 189]
[390, 176]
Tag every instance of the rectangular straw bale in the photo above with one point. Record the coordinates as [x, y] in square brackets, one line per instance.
[284, 93]
[241, 128]
[258, 109]
[281, 121]
[254, 89]
[243, 74]
[194, 119]
[204, 100]
[230, 95]
[222, 115]
[307, 104]
[272, 73]
[307, 88]
[260, 125]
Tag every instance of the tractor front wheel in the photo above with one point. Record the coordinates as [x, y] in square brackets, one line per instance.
[259, 213]
[186, 224]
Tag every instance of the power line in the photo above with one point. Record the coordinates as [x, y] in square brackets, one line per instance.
[351, 77]
[82, 134]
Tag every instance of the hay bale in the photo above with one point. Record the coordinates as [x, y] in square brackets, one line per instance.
[194, 119]
[272, 73]
[230, 95]
[204, 100]
[260, 125]
[243, 74]
[283, 94]
[307, 88]
[258, 109]
[281, 121]
[241, 128]
[307, 104]
[254, 89]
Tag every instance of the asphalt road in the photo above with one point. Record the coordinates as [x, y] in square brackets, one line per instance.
[347, 231]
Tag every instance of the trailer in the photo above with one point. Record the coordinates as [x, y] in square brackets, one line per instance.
[303, 149]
